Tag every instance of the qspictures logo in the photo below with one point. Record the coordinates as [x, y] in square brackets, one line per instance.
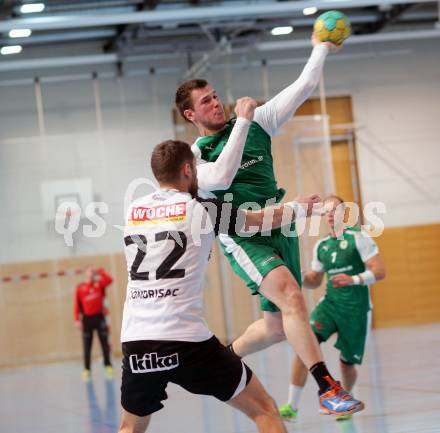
[153, 362]
[71, 219]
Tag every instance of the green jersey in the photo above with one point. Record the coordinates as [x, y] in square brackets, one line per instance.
[255, 179]
[345, 255]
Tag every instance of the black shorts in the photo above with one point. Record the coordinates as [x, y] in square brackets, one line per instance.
[96, 321]
[206, 367]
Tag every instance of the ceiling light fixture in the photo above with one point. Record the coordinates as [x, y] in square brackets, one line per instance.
[20, 33]
[32, 8]
[310, 10]
[11, 49]
[285, 30]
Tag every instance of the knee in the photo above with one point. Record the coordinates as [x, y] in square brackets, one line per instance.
[275, 333]
[293, 300]
[266, 407]
[129, 429]
[128, 426]
[270, 407]
[124, 427]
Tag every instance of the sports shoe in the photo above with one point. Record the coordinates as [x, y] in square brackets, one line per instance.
[86, 375]
[109, 372]
[344, 417]
[337, 401]
[288, 413]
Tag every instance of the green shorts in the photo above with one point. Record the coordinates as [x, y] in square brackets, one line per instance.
[351, 327]
[252, 258]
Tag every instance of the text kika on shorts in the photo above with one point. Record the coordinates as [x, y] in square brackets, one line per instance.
[153, 362]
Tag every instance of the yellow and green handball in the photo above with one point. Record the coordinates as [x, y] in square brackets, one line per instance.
[332, 26]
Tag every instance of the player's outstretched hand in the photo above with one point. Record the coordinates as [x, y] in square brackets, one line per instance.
[310, 201]
[341, 280]
[245, 107]
[333, 48]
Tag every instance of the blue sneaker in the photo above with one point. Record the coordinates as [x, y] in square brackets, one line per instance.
[337, 401]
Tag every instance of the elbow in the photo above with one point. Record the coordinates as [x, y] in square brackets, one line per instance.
[226, 184]
[311, 86]
[381, 274]
[308, 85]
[223, 182]
[310, 281]
[314, 284]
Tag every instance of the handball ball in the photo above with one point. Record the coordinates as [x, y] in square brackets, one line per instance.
[332, 26]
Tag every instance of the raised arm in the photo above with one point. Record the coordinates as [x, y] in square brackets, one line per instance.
[274, 113]
[105, 279]
[218, 175]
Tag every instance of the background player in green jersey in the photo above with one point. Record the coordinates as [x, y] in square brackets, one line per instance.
[270, 265]
[350, 260]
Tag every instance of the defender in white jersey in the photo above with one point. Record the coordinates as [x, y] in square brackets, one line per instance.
[164, 336]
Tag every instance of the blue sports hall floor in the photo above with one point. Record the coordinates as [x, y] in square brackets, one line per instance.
[399, 383]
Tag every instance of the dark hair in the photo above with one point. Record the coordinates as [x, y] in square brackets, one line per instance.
[168, 158]
[335, 197]
[183, 94]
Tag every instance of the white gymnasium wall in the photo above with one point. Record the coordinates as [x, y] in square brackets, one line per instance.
[395, 90]
[396, 104]
[73, 148]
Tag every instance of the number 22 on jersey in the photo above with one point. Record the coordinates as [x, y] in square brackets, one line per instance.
[164, 270]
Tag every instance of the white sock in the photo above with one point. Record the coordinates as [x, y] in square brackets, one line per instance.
[295, 395]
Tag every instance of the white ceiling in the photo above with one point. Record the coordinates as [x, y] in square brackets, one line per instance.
[115, 31]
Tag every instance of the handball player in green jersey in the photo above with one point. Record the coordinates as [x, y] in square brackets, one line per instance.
[350, 260]
[269, 265]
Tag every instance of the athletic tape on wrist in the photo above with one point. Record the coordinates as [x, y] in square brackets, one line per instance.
[368, 277]
[356, 279]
